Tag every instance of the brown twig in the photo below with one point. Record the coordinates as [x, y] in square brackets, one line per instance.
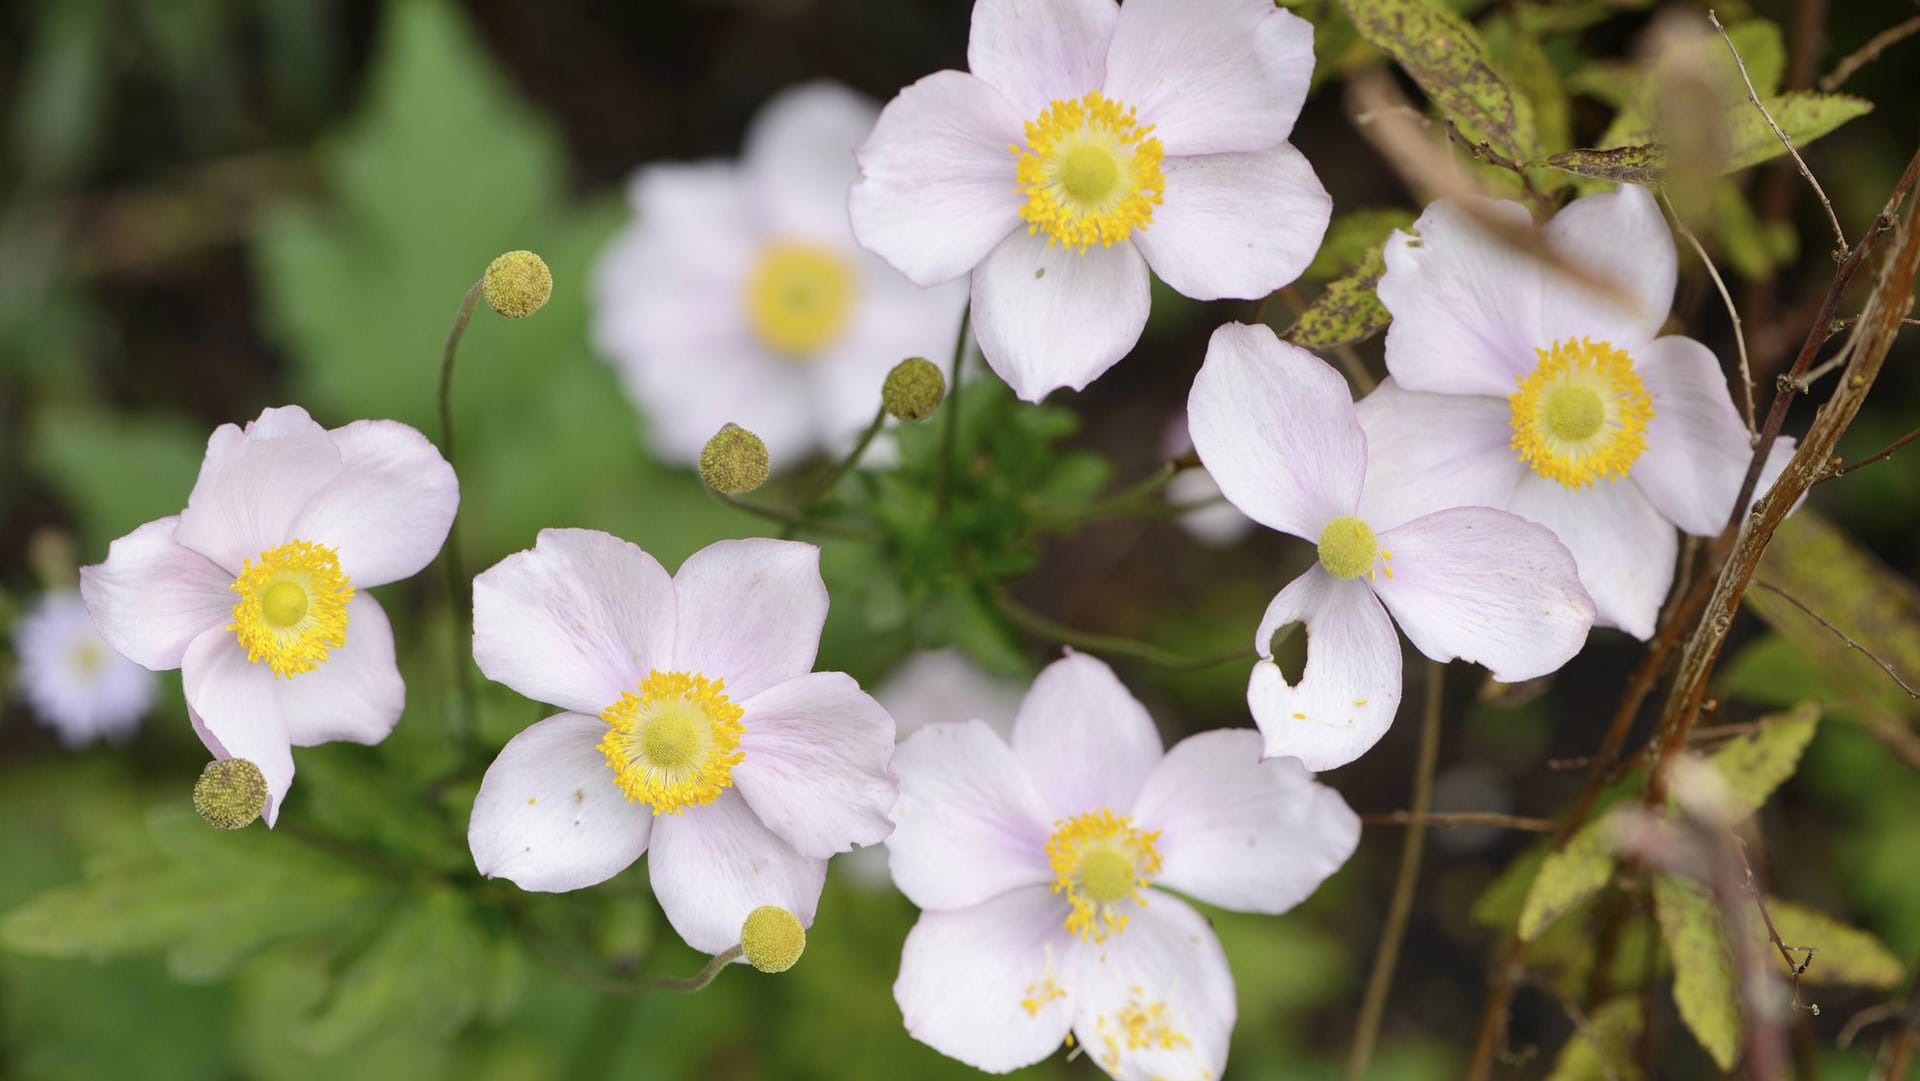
[1839, 236]
[1868, 53]
[1843, 470]
[1795, 969]
[1885, 665]
[1896, 1054]
[1457, 819]
[1733, 313]
[1872, 1015]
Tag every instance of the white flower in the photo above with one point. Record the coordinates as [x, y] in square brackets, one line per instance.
[1220, 525]
[257, 591]
[1516, 387]
[1276, 427]
[75, 682]
[1089, 142]
[697, 730]
[739, 296]
[1042, 869]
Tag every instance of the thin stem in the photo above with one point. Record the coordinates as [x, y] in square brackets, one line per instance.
[687, 985]
[1868, 53]
[1457, 819]
[845, 465]
[461, 643]
[1052, 630]
[1122, 501]
[1373, 1006]
[793, 518]
[1885, 665]
[1733, 313]
[950, 427]
[1843, 470]
[1753, 95]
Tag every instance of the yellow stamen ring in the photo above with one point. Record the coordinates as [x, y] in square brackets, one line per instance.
[673, 745]
[1581, 414]
[1090, 172]
[1100, 860]
[293, 607]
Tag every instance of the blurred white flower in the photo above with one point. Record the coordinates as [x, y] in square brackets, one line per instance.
[1218, 526]
[738, 294]
[73, 680]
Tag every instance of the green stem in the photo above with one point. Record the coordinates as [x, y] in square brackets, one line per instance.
[793, 519]
[950, 428]
[687, 985]
[844, 466]
[454, 562]
[1114, 645]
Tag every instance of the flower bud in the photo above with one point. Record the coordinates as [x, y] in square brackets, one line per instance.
[734, 461]
[913, 389]
[517, 284]
[772, 938]
[230, 793]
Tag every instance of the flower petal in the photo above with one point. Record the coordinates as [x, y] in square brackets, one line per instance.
[936, 192]
[1085, 741]
[1488, 587]
[253, 484]
[815, 770]
[967, 977]
[1241, 833]
[388, 510]
[549, 817]
[1038, 53]
[1622, 237]
[1697, 448]
[1624, 548]
[1429, 452]
[235, 707]
[1465, 306]
[1049, 317]
[945, 685]
[687, 393]
[969, 824]
[1167, 974]
[576, 621]
[1350, 687]
[356, 694]
[152, 596]
[750, 613]
[1236, 225]
[1276, 428]
[1212, 76]
[714, 864]
[799, 159]
[895, 319]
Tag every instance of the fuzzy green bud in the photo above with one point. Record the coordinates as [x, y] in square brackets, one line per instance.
[517, 284]
[734, 461]
[913, 389]
[230, 793]
[772, 938]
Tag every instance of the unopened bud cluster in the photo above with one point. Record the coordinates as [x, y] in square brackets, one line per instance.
[913, 390]
[230, 793]
[734, 461]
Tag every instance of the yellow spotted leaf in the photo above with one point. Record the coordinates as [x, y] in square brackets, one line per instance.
[1753, 766]
[1446, 56]
[1842, 954]
[1703, 983]
[1568, 877]
[1605, 1050]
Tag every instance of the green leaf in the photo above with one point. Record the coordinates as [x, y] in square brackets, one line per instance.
[426, 973]
[1499, 905]
[1621, 164]
[1608, 1051]
[1843, 954]
[1754, 766]
[1447, 58]
[117, 472]
[1703, 982]
[1353, 238]
[1348, 311]
[1568, 877]
[1803, 115]
[1769, 671]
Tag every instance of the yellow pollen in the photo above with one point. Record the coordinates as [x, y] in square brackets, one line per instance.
[1581, 414]
[1100, 861]
[293, 607]
[1138, 1027]
[1348, 548]
[673, 745]
[1090, 172]
[800, 298]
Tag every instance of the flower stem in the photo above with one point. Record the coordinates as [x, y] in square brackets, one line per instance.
[687, 985]
[457, 582]
[793, 519]
[1373, 1007]
[842, 467]
[950, 428]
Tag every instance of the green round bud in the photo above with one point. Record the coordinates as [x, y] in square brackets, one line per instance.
[230, 793]
[913, 389]
[734, 461]
[517, 284]
[772, 938]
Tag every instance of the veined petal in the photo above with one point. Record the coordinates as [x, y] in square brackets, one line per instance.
[936, 192]
[969, 824]
[1465, 305]
[815, 769]
[1621, 543]
[1212, 76]
[1697, 448]
[1350, 687]
[1486, 586]
[254, 483]
[1236, 225]
[799, 159]
[549, 816]
[389, 509]
[1083, 739]
[577, 621]
[750, 612]
[1048, 316]
[153, 596]
[356, 694]
[1621, 237]
[1276, 429]
[1037, 53]
[1239, 832]
[1157, 999]
[988, 984]
[1429, 452]
[235, 708]
[717, 862]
